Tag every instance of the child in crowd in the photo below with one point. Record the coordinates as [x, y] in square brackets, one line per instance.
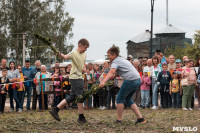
[3, 90]
[67, 88]
[164, 78]
[175, 90]
[57, 87]
[21, 89]
[88, 102]
[145, 89]
[150, 69]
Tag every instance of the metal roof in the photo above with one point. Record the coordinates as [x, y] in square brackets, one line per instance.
[169, 29]
[143, 37]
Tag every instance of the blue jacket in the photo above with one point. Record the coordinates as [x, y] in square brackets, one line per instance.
[32, 75]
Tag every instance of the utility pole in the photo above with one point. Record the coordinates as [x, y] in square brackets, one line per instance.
[151, 37]
[24, 48]
[166, 12]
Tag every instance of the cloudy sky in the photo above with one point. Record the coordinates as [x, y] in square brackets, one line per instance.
[108, 22]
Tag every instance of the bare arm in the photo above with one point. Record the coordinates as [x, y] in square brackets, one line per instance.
[108, 76]
[65, 56]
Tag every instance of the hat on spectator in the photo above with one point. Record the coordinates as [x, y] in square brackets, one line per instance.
[164, 62]
[178, 61]
[130, 56]
[27, 61]
[186, 60]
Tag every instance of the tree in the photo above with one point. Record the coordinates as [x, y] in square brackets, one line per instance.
[190, 50]
[193, 51]
[33, 16]
[177, 51]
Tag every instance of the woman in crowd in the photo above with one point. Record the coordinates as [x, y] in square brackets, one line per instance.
[188, 84]
[46, 86]
[14, 76]
[157, 68]
[96, 81]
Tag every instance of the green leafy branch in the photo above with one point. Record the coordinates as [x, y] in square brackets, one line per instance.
[89, 93]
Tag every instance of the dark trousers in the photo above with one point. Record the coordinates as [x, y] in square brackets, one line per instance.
[197, 90]
[57, 100]
[96, 100]
[11, 96]
[111, 96]
[164, 92]
[169, 101]
[45, 101]
[192, 104]
[102, 97]
[180, 100]
[137, 97]
[150, 97]
[20, 96]
[34, 102]
[28, 90]
[175, 99]
[2, 102]
[18, 103]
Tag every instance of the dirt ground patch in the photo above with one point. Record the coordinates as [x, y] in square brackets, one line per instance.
[99, 121]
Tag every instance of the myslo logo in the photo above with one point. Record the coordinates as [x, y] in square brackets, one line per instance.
[185, 129]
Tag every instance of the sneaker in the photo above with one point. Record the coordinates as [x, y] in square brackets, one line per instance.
[190, 109]
[118, 122]
[81, 119]
[184, 109]
[54, 113]
[19, 110]
[100, 107]
[198, 108]
[141, 120]
[155, 107]
[113, 107]
[103, 108]
[11, 110]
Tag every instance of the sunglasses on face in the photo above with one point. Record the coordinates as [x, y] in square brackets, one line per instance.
[144, 60]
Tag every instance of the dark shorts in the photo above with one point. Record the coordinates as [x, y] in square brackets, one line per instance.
[77, 87]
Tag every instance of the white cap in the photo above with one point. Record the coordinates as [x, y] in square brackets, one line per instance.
[130, 56]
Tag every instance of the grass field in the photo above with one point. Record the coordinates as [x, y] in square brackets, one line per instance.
[98, 121]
